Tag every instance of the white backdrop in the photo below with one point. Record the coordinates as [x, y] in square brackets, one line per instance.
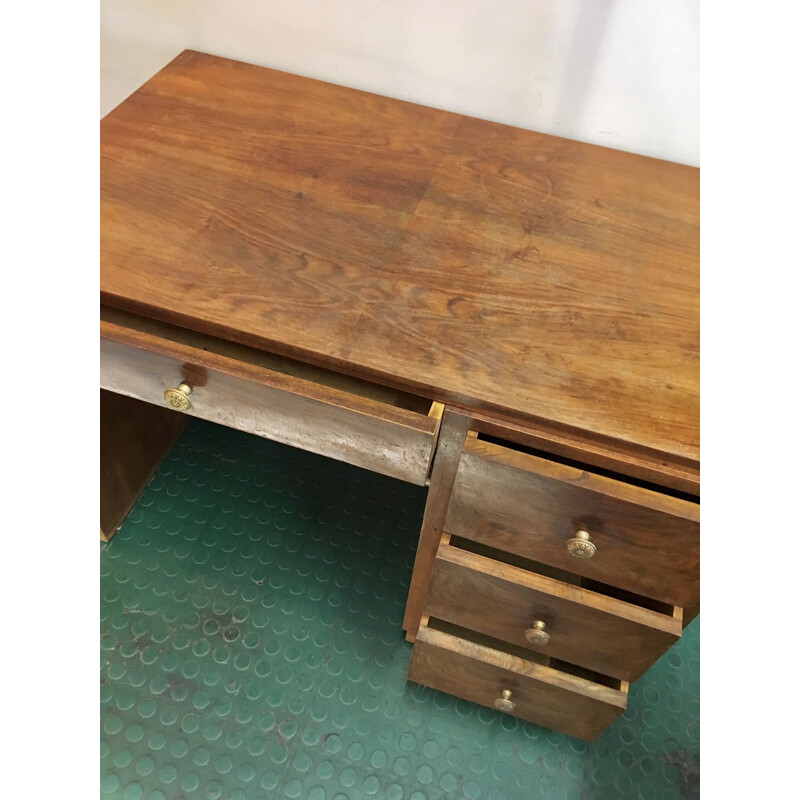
[621, 73]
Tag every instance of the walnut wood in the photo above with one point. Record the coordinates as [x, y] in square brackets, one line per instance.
[271, 361]
[546, 696]
[647, 543]
[316, 261]
[536, 278]
[608, 455]
[361, 431]
[452, 432]
[585, 627]
[134, 438]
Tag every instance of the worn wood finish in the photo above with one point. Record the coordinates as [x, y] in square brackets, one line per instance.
[505, 271]
[316, 261]
[546, 696]
[647, 543]
[134, 438]
[452, 433]
[606, 455]
[585, 627]
[392, 441]
[270, 361]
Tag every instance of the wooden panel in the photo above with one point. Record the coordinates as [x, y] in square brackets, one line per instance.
[134, 438]
[689, 614]
[549, 697]
[607, 455]
[501, 270]
[451, 438]
[586, 628]
[135, 323]
[646, 542]
[382, 438]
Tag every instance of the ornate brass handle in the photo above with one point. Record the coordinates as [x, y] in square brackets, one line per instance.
[179, 398]
[505, 703]
[537, 634]
[581, 546]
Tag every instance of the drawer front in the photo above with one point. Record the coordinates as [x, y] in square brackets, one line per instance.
[297, 412]
[585, 628]
[546, 696]
[646, 543]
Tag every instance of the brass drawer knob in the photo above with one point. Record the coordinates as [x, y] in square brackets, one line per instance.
[581, 546]
[537, 634]
[505, 703]
[179, 398]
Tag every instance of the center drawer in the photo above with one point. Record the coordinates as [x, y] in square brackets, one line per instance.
[344, 418]
[609, 530]
[548, 614]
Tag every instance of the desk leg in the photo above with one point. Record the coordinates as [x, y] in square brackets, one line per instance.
[134, 438]
[452, 434]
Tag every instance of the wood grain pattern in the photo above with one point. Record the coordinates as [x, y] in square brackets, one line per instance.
[546, 696]
[607, 455]
[452, 432]
[281, 407]
[134, 438]
[501, 270]
[647, 543]
[136, 324]
[586, 628]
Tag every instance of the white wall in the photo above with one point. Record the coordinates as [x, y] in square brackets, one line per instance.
[137, 37]
[622, 73]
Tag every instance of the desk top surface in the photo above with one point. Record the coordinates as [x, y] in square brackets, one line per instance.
[528, 276]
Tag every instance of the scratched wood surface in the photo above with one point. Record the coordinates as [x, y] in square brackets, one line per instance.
[287, 409]
[498, 269]
[647, 543]
[586, 628]
[546, 696]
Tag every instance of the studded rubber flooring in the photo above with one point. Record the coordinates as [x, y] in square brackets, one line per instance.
[251, 648]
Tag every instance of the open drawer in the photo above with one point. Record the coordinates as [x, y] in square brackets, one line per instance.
[610, 530]
[348, 419]
[556, 695]
[535, 607]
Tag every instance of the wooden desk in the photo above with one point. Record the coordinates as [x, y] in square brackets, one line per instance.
[508, 316]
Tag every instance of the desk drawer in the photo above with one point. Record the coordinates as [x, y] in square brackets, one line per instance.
[546, 695]
[646, 542]
[585, 627]
[234, 388]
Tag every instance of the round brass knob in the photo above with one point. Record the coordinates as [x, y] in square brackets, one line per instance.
[179, 398]
[537, 634]
[505, 703]
[581, 546]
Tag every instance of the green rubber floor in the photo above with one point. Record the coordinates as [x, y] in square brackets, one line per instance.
[251, 647]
